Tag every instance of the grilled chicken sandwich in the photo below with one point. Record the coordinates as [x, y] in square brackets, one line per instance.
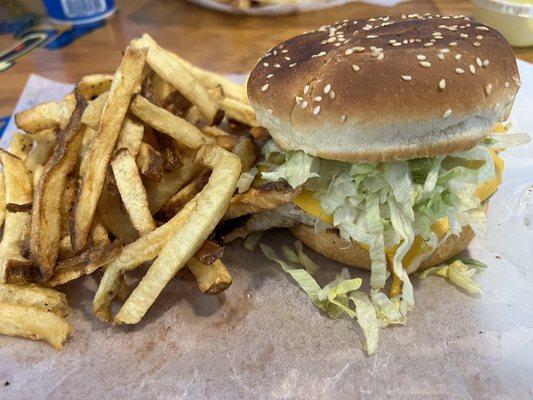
[385, 138]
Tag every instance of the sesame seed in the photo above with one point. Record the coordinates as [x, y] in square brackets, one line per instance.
[396, 44]
[341, 39]
[287, 58]
[266, 64]
[459, 70]
[479, 37]
[371, 36]
[299, 100]
[404, 41]
[355, 67]
[472, 69]
[277, 65]
[332, 94]
[485, 63]
[270, 76]
[436, 34]
[425, 64]
[317, 98]
[452, 44]
[343, 118]
[447, 113]
[406, 78]
[445, 50]
[506, 84]
[284, 51]
[482, 28]
[442, 84]
[316, 110]
[270, 111]
[264, 88]
[304, 105]
[381, 56]
[458, 57]
[327, 88]
[392, 41]
[348, 52]
[292, 65]
[440, 56]
[478, 62]
[420, 57]
[331, 39]
[411, 40]
[358, 49]
[464, 35]
[275, 52]
[322, 53]
[488, 89]
[428, 44]
[337, 44]
[306, 89]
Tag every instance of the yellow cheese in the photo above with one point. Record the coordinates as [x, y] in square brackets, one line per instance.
[309, 204]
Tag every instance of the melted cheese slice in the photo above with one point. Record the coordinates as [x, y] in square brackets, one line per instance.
[309, 204]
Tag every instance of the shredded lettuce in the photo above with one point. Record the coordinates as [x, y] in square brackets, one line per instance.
[458, 272]
[246, 179]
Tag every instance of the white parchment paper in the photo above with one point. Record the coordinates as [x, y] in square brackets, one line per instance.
[263, 339]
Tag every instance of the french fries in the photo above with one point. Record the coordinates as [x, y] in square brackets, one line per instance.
[18, 191]
[211, 204]
[172, 71]
[46, 217]
[33, 312]
[82, 188]
[211, 279]
[46, 115]
[165, 122]
[127, 79]
[132, 191]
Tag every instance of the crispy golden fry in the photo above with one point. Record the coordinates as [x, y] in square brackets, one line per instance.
[174, 205]
[33, 323]
[248, 152]
[18, 191]
[211, 203]
[263, 198]
[85, 264]
[46, 115]
[165, 122]
[131, 135]
[126, 81]
[150, 162]
[2, 199]
[211, 80]
[93, 113]
[239, 111]
[131, 189]
[35, 296]
[159, 192]
[91, 86]
[99, 235]
[21, 145]
[114, 217]
[211, 279]
[172, 71]
[45, 142]
[47, 202]
[209, 252]
[85, 149]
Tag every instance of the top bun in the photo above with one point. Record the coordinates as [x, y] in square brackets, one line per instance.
[385, 89]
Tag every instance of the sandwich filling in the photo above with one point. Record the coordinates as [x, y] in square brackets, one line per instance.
[398, 211]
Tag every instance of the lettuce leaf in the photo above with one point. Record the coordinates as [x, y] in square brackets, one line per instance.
[458, 272]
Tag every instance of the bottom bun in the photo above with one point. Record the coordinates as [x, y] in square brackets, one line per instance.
[331, 245]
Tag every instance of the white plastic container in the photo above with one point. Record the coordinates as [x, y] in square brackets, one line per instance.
[513, 18]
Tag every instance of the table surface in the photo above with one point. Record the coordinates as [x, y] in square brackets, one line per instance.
[221, 42]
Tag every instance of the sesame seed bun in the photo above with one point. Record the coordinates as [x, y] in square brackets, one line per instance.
[385, 89]
[331, 245]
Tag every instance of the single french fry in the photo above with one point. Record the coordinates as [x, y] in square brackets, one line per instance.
[165, 122]
[91, 86]
[150, 162]
[125, 83]
[239, 111]
[211, 204]
[18, 191]
[93, 113]
[211, 279]
[131, 135]
[67, 202]
[35, 296]
[45, 233]
[132, 191]
[172, 71]
[46, 115]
